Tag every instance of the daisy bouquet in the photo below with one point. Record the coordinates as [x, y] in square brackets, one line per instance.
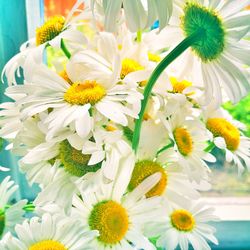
[118, 127]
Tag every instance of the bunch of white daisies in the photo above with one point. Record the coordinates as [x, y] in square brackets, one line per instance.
[117, 128]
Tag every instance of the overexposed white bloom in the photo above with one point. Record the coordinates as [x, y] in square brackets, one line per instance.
[183, 226]
[92, 86]
[140, 14]
[109, 144]
[59, 165]
[10, 120]
[52, 33]
[218, 60]
[227, 134]
[55, 165]
[49, 232]
[10, 215]
[119, 218]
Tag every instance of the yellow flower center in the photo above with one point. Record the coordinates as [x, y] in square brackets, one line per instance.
[182, 220]
[110, 128]
[48, 245]
[74, 161]
[221, 127]
[179, 86]
[65, 76]
[144, 169]
[2, 222]
[183, 140]
[153, 57]
[111, 220]
[129, 66]
[83, 93]
[49, 29]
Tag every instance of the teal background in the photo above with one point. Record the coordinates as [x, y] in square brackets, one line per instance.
[13, 32]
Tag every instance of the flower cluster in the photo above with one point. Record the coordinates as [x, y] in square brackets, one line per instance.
[118, 142]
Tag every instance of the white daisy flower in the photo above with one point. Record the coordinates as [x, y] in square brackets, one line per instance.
[118, 218]
[137, 59]
[93, 88]
[55, 165]
[181, 87]
[140, 14]
[174, 184]
[187, 147]
[10, 120]
[183, 226]
[49, 232]
[227, 134]
[109, 144]
[10, 215]
[53, 32]
[59, 165]
[218, 56]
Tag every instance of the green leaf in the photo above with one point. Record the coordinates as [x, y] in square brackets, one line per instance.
[1, 144]
[240, 112]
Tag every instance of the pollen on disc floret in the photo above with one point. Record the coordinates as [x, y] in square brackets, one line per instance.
[182, 220]
[84, 93]
[50, 29]
[48, 245]
[74, 161]
[144, 169]
[111, 220]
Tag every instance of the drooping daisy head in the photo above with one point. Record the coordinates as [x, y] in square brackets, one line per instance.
[183, 226]
[204, 19]
[50, 29]
[10, 214]
[116, 216]
[58, 27]
[214, 57]
[54, 232]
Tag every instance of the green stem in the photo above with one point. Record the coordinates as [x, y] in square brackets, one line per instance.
[29, 207]
[1, 212]
[177, 51]
[65, 50]
[210, 147]
[170, 145]
[139, 36]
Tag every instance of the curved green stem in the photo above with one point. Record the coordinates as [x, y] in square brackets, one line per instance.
[170, 145]
[177, 51]
[65, 50]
